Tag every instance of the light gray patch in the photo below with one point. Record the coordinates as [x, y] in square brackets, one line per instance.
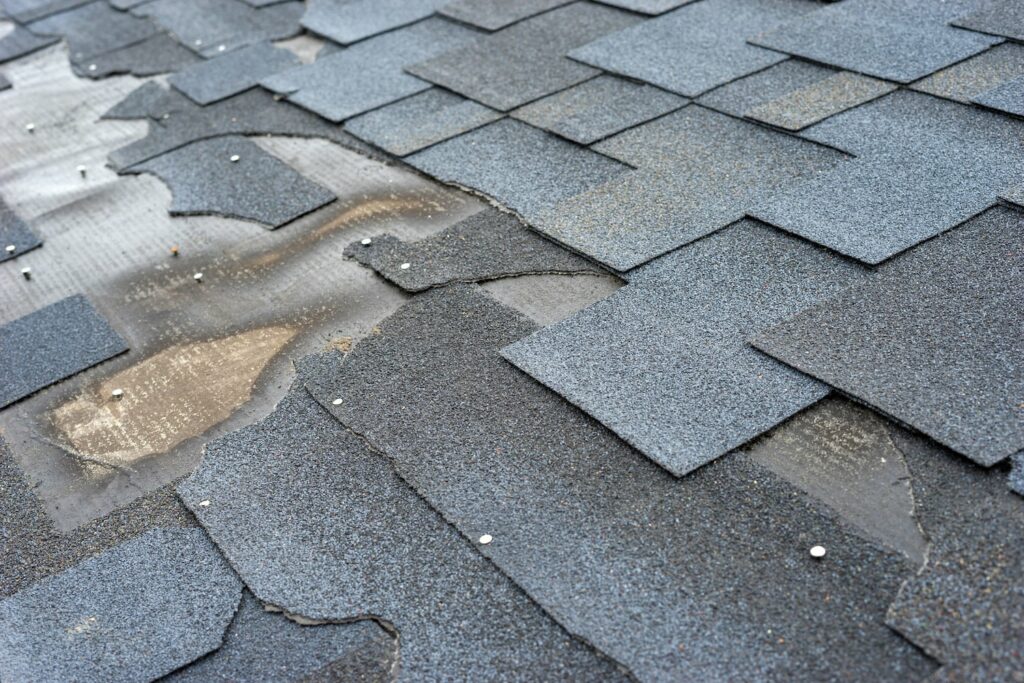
[665, 575]
[1007, 97]
[973, 76]
[738, 96]
[937, 352]
[206, 178]
[51, 344]
[999, 17]
[232, 73]
[805, 106]
[420, 121]
[20, 42]
[492, 15]
[349, 21]
[696, 47]
[158, 54]
[368, 75]
[94, 29]
[525, 61]
[132, 613]
[13, 230]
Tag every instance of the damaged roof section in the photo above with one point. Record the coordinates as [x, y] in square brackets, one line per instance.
[15, 235]
[232, 73]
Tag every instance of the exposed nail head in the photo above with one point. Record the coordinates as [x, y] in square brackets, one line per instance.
[485, 539]
[204, 503]
[198, 277]
[366, 241]
[92, 67]
[26, 273]
[30, 127]
[405, 266]
[818, 552]
[117, 394]
[337, 402]
[235, 158]
[10, 248]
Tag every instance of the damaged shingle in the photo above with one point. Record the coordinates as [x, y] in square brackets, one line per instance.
[348, 21]
[233, 177]
[696, 47]
[974, 76]
[666, 575]
[525, 61]
[998, 17]
[132, 613]
[232, 73]
[20, 42]
[492, 15]
[51, 344]
[94, 29]
[931, 339]
[808, 105]
[322, 527]
[14, 232]
[485, 246]
[157, 54]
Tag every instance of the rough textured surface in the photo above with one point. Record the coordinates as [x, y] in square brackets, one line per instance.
[966, 606]
[1016, 479]
[999, 17]
[232, 73]
[525, 168]
[665, 575]
[150, 101]
[20, 42]
[263, 646]
[696, 47]
[322, 527]
[24, 11]
[806, 106]
[598, 108]
[485, 246]
[348, 21]
[892, 39]
[258, 187]
[698, 172]
[420, 121]
[1007, 97]
[368, 75]
[157, 54]
[13, 231]
[51, 344]
[525, 61]
[94, 29]
[937, 353]
[924, 166]
[492, 15]
[743, 94]
[974, 76]
[132, 613]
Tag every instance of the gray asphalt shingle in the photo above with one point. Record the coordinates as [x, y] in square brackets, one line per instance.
[964, 80]
[157, 54]
[998, 17]
[801, 108]
[1007, 97]
[24, 11]
[492, 15]
[15, 233]
[739, 96]
[349, 21]
[20, 42]
[232, 73]
[94, 29]
[646, 6]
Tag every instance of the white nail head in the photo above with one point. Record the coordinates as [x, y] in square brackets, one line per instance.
[221, 48]
[82, 170]
[92, 67]
[405, 266]
[30, 127]
[204, 503]
[10, 249]
[485, 539]
[366, 241]
[198, 42]
[198, 277]
[336, 402]
[818, 552]
[235, 158]
[117, 394]
[26, 273]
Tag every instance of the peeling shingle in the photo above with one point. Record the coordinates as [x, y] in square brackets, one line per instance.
[349, 21]
[665, 575]
[598, 108]
[51, 344]
[521, 166]
[808, 105]
[937, 352]
[368, 75]
[1007, 97]
[973, 76]
[132, 613]
[420, 121]
[232, 73]
[206, 178]
[492, 15]
[20, 42]
[525, 61]
[999, 17]
[696, 47]
[892, 39]
[158, 54]
[322, 527]
[14, 232]
[94, 29]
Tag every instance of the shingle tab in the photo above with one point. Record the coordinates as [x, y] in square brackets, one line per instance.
[743, 94]
[801, 108]
[646, 6]
[349, 21]
[696, 47]
[20, 42]
[158, 54]
[973, 76]
[24, 11]
[94, 29]
[232, 73]
[999, 17]
[14, 232]
[938, 353]
[1007, 97]
[492, 15]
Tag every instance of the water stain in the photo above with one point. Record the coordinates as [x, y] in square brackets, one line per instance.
[171, 396]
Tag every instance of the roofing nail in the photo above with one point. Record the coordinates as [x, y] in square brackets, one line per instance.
[235, 158]
[485, 539]
[117, 394]
[204, 503]
[366, 241]
[221, 48]
[30, 127]
[818, 552]
[198, 42]
[174, 250]
[336, 402]
[198, 277]
[405, 266]
[10, 248]
[26, 273]
[92, 67]
[82, 170]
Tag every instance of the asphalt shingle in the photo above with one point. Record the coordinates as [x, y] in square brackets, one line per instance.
[20, 42]
[24, 11]
[739, 96]
[998, 17]
[801, 108]
[94, 29]
[974, 76]
[492, 15]
[349, 21]
[232, 73]
[158, 54]
[1007, 97]
[646, 6]
[15, 233]
[1016, 479]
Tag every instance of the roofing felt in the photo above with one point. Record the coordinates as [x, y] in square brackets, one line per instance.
[698, 172]
[368, 75]
[696, 47]
[892, 39]
[702, 303]
[321, 526]
[655, 571]
[349, 21]
[940, 354]
[14, 232]
[231, 176]
[492, 15]
[524, 167]
[20, 42]
[486, 246]
[924, 166]
[1007, 97]
[24, 11]
[812, 103]
[94, 29]
[132, 613]
[420, 121]
[231, 73]
[973, 76]
[998, 17]
[51, 344]
[525, 61]
[598, 108]
[157, 54]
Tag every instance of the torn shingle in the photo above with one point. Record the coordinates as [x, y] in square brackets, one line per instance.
[665, 575]
[349, 21]
[664, 362]
[14, 232]
[801, 108]
[521, 166]
[598, 108]
[368, 75]
[231, 176]
[51, 344]
[924, 166]
[25, 11]
[322, 527]
[20, 42]
[232, 73]
[973, 76]
[135, 612]
[420, 121]
[965, 607]
[892, 39]
[938, 353]
[696, 47]
[486, 246]
[525, 61]
[1007, 97]
[158, 54]
[263, 646]
[94, 29]
[743, 94]
[492, 15]
[698, 172]
[998, 17]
